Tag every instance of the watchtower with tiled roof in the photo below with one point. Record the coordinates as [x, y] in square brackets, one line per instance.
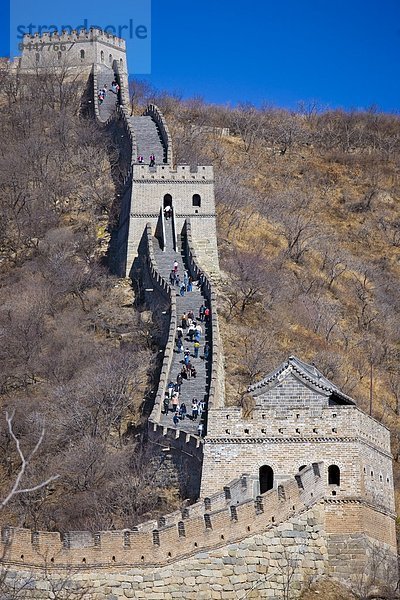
[299, 418]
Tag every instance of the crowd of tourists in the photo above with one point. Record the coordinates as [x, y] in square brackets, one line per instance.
[101, 95]
[189, 344]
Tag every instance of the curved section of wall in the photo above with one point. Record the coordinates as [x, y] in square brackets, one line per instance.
[163, 288]
[224, 518]
[155, 113]
[217, 378]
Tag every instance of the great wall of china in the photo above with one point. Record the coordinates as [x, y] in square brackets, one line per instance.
[301, 490]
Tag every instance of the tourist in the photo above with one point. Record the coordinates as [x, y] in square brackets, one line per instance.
[185, 278]
[166, 405]
[182, 290]
[191, 332]
[152, 160]
[191, 314]
[182, 411]
[193, 372]
[196, 348]
[140, 159]
[190, 284]
[207, 315]
[189, 370]
[179, 378]
[176, 266]
[179, 345]
[175, 419]
[167, 212]
[172, 278]
[201, 312]
[206, 351]
[171, 386]
[202, 407]
[175, 401]
[200, 429]
[179, 332]
[195, 409]
[177, 280]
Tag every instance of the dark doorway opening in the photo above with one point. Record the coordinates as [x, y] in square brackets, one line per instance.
[333, 475]
[266, 475]
[196, 200]
[167, 200]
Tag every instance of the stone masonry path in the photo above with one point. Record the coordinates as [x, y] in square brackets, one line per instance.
[105, 75]
[191, 388]
[148, 139]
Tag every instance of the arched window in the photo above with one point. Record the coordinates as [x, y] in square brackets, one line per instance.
[196, 200]
[59, 55]
[82, 54]
[333, 475]
[121, 62]
[110, 59]
[167, 200]
[102, 56]
[266, 475]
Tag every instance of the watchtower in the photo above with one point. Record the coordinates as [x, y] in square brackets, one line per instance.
[79, 49]
[300, 417]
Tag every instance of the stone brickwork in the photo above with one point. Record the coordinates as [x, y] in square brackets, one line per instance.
[260, 566]
[299, 418]
[328, 499]
[151, 185]
[79, 49]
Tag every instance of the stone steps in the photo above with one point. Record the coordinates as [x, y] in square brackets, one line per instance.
[105, 75]
[193, 388]
[148, 139]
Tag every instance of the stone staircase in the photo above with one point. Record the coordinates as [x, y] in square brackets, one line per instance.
[148, 139]
[192, 388]
[105, 75]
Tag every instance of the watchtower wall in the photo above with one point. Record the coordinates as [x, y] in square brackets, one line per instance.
[187, 187]
[80, 49]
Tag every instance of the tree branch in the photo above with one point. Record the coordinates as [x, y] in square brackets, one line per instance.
[16, 489]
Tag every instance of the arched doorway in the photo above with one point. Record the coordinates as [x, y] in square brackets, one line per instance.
[333, 475]
[196, 200]
[266, 476]
[167, 200]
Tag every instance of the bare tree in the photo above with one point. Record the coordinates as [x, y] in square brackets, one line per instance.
[25, 460]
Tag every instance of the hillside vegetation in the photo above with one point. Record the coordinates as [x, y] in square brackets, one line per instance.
[309, 241]
[75, 356]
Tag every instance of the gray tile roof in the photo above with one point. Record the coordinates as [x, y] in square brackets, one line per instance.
[308, 373]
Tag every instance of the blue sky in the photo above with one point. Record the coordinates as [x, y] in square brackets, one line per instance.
[342, 53]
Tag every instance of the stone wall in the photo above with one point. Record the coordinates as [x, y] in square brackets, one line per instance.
[150, 185]
[154, 112]
[78, 49]
[285, 556]
[227, 516]
[216, 395]
[285, 440]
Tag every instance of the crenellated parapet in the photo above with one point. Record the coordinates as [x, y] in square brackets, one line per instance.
[77, 50]
[154, 112]
[94, 34]
[217, 375]
[226, 517]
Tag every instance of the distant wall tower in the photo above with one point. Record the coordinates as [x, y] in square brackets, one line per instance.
[79, 49]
